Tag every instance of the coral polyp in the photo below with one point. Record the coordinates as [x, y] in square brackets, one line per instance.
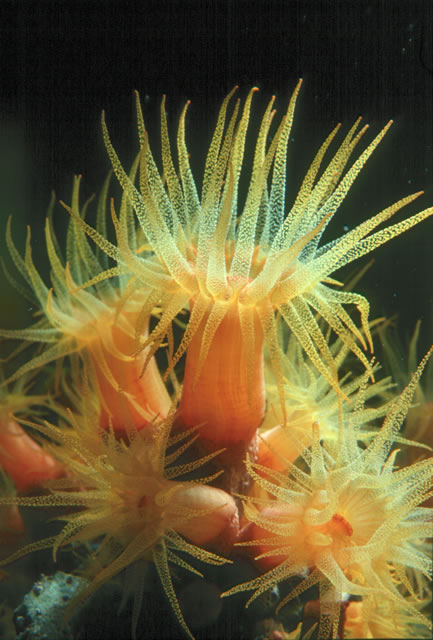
[239, 265]
[309, 398]
[351, 524]
[129, 497]
[205, 394]
[21, 457]
[97, 322]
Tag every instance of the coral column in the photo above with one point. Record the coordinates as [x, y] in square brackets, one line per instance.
[144, 394]
[226, 396]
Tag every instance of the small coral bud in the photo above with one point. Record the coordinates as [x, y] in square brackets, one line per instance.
[219, 523]
[277, 448]
[24, 460]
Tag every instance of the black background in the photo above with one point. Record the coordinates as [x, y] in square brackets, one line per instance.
[61, 63]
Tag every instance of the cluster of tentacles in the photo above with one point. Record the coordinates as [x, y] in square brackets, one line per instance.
[200, 390]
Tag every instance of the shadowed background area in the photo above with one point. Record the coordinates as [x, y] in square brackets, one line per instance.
[61, 63]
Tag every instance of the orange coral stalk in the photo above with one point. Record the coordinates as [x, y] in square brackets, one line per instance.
[277, 449]
[217, 394]
[143, 396]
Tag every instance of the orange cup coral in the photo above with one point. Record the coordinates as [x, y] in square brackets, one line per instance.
[353, 524]
[240, 268]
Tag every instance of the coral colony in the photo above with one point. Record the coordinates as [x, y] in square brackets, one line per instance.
[206, 396]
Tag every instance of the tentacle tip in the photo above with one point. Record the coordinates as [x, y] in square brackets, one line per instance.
[316, 430]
